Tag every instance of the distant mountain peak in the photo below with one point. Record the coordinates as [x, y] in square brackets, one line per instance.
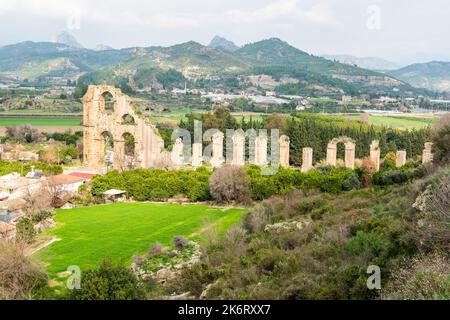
[103, 47]
[67, 39]
[219, 42]
[371, 63]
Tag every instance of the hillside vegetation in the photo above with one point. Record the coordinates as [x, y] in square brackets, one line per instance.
[201, 66]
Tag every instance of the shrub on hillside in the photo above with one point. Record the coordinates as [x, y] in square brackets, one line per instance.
[352, 182]
[108, 282]
[364, 242]
[179, 242]
[424, 277]
[441, 139]
[20, 277]
[385, 178]
[25, 232]
[258, 217]
[230, 184]
[368, 168]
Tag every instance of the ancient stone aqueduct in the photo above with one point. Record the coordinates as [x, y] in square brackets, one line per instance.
[149, 151]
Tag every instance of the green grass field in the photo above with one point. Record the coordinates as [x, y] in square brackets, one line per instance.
[399, 122]
[38, 112]
[39, 122]
[117, 231]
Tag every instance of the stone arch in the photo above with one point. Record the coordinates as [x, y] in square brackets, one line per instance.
[349, 151]
[128, 119]
[149, 146]
[107, 102]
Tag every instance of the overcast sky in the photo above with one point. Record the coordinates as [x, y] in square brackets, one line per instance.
[403, 31]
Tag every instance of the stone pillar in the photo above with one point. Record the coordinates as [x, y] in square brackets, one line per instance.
[307, 159]
[350, 155]
[375, 154]
[119, 154]
[427, 155]
[284, 151]
[217, 149]
[177, 155]
[197, 158]
[238, 149]
[400, 159]
[331, 154]
[261, 150]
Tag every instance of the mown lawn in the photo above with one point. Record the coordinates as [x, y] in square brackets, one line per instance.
[117, 231]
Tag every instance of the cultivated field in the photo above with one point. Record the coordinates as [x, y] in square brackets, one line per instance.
[42, 124]
[399, 122]
[89, 235]
[39, 122]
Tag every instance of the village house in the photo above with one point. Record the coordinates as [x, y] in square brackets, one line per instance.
[15, 186]
[65, 182]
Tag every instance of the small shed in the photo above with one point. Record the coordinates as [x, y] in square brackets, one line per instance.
[114, 195]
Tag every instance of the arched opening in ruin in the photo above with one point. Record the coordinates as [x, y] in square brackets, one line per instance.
[108, 148]
[129, 150]
[107, 102]
[349, 151]
[128, 119]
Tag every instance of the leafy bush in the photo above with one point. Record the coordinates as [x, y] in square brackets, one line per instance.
[365, 242]
[25, 230]
[226, 183]
[156, 185]
[41, 215]
[441, 146]
[352, 182]
[108, 282]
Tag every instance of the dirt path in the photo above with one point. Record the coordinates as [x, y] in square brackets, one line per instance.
[42, 246]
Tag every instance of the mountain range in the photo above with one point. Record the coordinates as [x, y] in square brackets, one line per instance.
[270, 64]
[434, 75]
[371, 63]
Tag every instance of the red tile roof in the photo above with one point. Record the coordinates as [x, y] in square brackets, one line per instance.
[63, 179]
[83, 175]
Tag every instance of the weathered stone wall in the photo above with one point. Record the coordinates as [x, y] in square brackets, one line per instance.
[149, 146]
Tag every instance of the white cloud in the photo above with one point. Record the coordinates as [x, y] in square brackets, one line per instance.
[409, 27]
[284, 11]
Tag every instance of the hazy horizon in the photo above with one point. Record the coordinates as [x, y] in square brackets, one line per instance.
[400, 31]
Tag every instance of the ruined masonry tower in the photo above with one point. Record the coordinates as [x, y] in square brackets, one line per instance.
[97, 123]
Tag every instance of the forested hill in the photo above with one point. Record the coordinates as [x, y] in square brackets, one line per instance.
[433, 75]
[263, 65]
